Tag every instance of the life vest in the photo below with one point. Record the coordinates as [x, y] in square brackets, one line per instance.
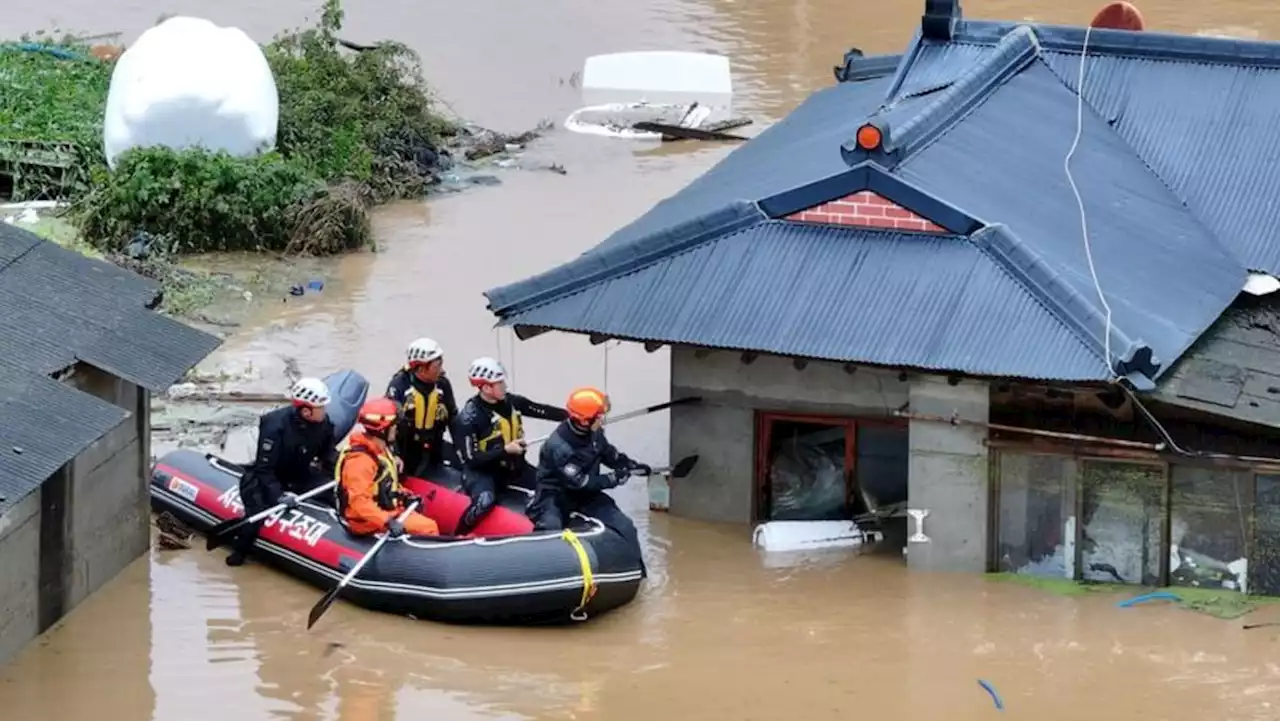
[505, 430]
[387, 484]
[427, 408]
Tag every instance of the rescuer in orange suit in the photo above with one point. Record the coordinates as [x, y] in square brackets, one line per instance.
[370, 498]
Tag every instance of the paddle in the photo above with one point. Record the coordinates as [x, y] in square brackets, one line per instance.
[633, 414]
[679, 132]
[219, 533]
[318, 610]
[679, 470]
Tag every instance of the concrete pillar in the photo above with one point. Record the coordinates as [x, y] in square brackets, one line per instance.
[948, 477]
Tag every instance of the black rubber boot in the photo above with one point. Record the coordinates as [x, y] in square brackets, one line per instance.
[236, 558]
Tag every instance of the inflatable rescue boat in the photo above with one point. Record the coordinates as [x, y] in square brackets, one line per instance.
[504, 573]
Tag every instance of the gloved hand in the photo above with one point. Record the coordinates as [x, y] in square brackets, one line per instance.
[618, 478]
[290, 500]
[395, 528]
[408, 498]
[641, 469]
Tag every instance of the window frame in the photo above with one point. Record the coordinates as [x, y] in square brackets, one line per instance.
[761, 501]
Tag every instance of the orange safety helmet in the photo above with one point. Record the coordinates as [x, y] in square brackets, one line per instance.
[585, 405]
[378, 414]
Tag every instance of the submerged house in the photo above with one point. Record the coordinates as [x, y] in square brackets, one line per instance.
[81, 352]
[889, 297]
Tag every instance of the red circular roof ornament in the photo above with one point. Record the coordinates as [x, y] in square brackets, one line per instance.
[1119, 16]
[869, 137]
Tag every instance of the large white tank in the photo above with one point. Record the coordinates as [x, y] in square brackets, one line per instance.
[186, 83]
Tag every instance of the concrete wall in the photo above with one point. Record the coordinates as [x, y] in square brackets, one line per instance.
[87, 522]
[948, 467]
[110, 505]
[19, 575]
[721, 429]
[949, 477]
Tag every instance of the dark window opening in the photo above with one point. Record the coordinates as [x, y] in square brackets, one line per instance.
[7, 185]
[1036, 500]
[825, 468]
[1208, 528]
[1122, 533]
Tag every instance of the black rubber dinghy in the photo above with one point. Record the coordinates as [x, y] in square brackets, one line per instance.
[504, 574]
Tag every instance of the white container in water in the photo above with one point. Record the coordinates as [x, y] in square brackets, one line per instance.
[189, 83]
[619, 89]
[659, 492]
[810, 535]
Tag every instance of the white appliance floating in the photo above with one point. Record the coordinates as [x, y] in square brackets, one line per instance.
[662, 86]
[811, 535]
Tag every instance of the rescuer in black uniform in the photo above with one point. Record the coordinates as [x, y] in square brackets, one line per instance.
[569, 477]
[491, 441]
[296, 452]
[427, 410]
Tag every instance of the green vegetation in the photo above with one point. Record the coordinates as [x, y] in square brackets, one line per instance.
[1211, 601]
[51, 113]
[364, 116]
[355, 129]
[198, 202]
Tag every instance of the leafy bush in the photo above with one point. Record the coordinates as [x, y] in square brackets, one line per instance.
[48, 100]
[201, 201]
[361, 122]
[364, 116]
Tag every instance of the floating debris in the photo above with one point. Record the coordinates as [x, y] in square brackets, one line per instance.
[1251, 626]
[174, 534]
[995, 697]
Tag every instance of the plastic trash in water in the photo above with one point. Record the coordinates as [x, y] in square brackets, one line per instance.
[995, 696]
[316, 285]
[297, 290]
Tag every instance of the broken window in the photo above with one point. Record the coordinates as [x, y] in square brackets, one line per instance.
[1209, 509]
[806, 471]
[820, 468]
[1123, 512]
[1036, 535]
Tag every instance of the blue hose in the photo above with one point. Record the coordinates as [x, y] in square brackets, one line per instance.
[60, 53]
[995, 697]
[1155, 596]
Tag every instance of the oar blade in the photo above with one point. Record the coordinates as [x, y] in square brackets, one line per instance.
[323, 605]
[221, 532]
[684, 467]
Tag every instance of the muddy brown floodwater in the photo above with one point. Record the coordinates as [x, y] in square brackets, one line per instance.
[717, 633]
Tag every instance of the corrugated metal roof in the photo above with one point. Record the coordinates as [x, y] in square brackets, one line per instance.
[938, 65]
[74, 308]
[1219, 154]
[987, 119]
[801, 148]
[44, 424]
[835, 294]
[169, 348]
[59, 308]
[1165, 276]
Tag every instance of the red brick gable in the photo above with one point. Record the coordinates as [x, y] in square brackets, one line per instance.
[866, 209]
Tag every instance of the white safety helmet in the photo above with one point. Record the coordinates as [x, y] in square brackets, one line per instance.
[486, 370]
[309, 392]
[423, 350]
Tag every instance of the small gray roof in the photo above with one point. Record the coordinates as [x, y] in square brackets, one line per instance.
[59, 308]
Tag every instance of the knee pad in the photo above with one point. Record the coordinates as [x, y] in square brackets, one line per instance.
[485, 502]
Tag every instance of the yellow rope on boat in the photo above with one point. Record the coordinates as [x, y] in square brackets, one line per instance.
[588, 579]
